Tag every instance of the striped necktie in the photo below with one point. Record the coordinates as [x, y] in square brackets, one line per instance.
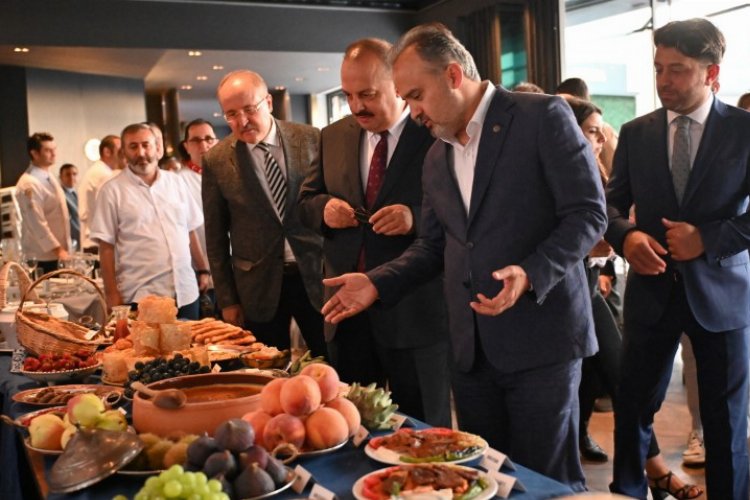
[681, 156]
[275, 178]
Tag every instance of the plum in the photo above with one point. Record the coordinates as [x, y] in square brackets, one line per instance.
[234, 435]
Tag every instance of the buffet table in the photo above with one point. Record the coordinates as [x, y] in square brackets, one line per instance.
[335, 471]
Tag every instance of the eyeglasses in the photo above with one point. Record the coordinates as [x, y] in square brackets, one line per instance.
[249, 110]
[197, 140]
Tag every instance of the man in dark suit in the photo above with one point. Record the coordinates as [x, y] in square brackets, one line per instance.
[266, 266]
[686, 168]
[512, 200]
[379, 183]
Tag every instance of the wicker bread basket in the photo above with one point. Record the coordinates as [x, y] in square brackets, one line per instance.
[24, 282]
[42, 334]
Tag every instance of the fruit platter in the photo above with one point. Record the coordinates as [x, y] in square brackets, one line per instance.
[63, 367]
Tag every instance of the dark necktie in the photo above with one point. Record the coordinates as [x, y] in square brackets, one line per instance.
[275, 178]
[681, 156]
[377, 170]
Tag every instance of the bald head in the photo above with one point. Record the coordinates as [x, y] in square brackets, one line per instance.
[244, 99]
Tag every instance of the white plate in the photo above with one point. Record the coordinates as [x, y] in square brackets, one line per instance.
[387, 456]
[485, 494]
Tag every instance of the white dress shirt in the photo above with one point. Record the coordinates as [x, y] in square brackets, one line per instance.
[370, 139]
[149, 227]
[465, 156]
[193, 181]
[259, 160]
[92, 181]
[45, 222]
[697, 125]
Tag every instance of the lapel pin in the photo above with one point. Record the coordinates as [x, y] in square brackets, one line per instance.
[496, 128]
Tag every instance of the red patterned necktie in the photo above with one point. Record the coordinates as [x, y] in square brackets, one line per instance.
[375, 178]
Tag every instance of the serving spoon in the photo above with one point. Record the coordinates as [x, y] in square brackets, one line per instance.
[168, 399]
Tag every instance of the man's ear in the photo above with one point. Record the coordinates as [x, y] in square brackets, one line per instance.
[455, 75]
[712, 74]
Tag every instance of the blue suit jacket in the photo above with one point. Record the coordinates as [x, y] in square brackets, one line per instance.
[717, 283]
[537, 202]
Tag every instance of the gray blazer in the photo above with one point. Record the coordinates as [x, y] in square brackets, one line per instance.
[244, 237]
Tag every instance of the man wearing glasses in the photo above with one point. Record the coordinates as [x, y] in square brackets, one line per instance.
[199, 138]
[251, 180]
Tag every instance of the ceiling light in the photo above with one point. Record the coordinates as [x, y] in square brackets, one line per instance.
[186, 87]
[279, 87]
[299, 79]
[217, 114]
[217, 67]
[323, 69]
[202, 78]
[195, 53]
[21, 49]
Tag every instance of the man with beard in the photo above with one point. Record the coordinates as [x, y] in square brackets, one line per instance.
[266, 265]
[512, 203]
[371, 162]
[145, 223]
[685, 167]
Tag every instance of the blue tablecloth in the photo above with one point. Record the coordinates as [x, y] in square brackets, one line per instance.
[335, 471]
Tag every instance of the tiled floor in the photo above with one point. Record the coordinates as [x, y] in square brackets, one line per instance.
[672, 426]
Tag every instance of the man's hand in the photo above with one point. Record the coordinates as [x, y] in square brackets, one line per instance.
[338, 214]
[204, 282]
[515, 283]
[233, 315]
[643, 253]
[602, 249]
[356, 294]
[62, 254]
[113, 299]
[393, 220]
[605, 285]
[683, 240]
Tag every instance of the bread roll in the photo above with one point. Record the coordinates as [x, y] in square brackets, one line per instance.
[153, 309]
[114, 368]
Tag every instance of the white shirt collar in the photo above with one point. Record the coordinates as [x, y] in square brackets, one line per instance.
[137, 179]
[699, 115]
[394, 131]
[474, 127]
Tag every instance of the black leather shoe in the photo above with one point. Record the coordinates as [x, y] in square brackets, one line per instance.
[591, 451]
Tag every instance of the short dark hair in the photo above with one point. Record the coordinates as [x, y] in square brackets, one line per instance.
[582, 108]
[197, 121]
[107, 143]
[574, 86]
[528, 87]
[696, 38]
[35, 141]
[744, 101]
[135, 127]
[66, 166]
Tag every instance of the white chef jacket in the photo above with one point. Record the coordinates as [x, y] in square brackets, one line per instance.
[92, 181]
[45, 221]
[149, 227]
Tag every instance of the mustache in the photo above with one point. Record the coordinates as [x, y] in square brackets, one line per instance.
[364, 114]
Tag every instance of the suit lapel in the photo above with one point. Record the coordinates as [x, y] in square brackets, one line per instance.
[658, 151]
[708, 147]
[348, 153]
[401, 160]
[292, 159]
[494, 132]
[445, 169]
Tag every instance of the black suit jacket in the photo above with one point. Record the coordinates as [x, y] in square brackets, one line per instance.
[419, 318]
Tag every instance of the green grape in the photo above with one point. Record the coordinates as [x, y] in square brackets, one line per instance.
[224, 496]
[153, 483]
[178, 469]
[188, 480]
[141, 495]
[213, 496]
[201, 489]
[172, 488]
[201, 478]
[214, 485]
[195, 496]
[119, 497]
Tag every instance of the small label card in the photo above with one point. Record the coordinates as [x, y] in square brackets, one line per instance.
[301, 477]
[493, 460]
[360, 436]
[320, 493]
[506, 483]
[397, 421]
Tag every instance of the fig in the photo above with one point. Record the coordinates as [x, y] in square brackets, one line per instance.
[200, 449]
[234, 435]
[221, 462]
[226, 485]
[253, 482]
[276, 469]
[254, 454]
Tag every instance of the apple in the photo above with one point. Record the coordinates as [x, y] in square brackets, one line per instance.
[112, 420]
[326, 378]
[46, 431]
[85, 409]
[284, 428]
[300, 396]
[67, 434]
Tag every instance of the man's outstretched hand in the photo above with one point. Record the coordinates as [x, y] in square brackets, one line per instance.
[356, 294]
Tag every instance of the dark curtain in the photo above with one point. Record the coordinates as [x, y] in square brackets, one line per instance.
[482, 29]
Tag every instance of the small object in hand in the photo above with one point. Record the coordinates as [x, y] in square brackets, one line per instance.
[362, 215]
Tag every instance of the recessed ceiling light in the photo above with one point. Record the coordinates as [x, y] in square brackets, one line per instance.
[21, 49]
[186, 87]
[323, 69]
[217, 114]
[279, 87]
[299, 79]
[195, 53]
[217, 67]
[201, 78]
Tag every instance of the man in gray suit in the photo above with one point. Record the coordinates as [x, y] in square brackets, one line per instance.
[266, 266]
[371, 161]
[512, 200]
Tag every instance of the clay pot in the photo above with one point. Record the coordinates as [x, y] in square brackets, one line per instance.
[197, 417]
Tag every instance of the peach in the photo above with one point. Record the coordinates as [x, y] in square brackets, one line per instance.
[349, 411]
[325, 428]
[326, 377]
[258, 419]
[270, 401]
[45, 432]
[85, 409]
[284, 428]
[300, 396]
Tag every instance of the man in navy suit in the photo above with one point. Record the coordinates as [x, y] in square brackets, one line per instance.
[512, 202]
[686, 169]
